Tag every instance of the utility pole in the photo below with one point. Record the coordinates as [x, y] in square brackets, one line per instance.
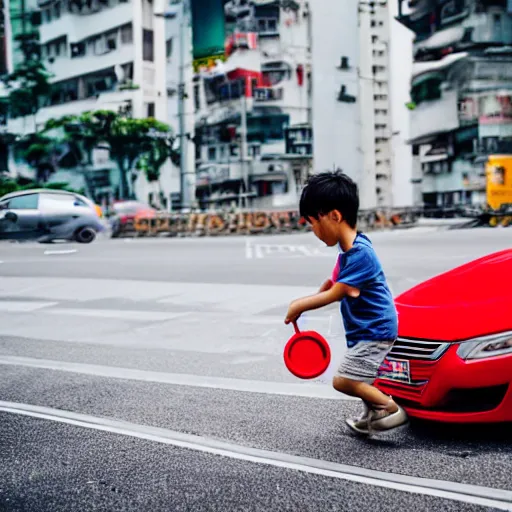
[186, 187]
[184, 184]
[243, 148]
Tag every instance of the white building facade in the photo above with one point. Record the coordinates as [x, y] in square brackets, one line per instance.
[296, 95]
[102, 54]
[352, 122]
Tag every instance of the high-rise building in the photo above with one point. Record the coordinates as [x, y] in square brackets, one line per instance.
[352, 122]
[460, 95]
[381, 73]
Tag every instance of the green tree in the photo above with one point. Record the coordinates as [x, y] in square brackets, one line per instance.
[152, 161]
[128, 141]
[28, 84]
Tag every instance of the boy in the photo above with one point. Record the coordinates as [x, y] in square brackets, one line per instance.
[330, 203]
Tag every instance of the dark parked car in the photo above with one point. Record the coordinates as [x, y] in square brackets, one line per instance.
[48, 215]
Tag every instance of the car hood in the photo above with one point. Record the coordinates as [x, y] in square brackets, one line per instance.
[472, 300]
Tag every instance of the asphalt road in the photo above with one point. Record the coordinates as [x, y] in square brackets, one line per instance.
[148, 375]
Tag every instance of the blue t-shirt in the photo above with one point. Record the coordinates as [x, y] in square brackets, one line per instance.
[372, 316]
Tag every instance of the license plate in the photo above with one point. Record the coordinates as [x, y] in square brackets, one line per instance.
[395, 369]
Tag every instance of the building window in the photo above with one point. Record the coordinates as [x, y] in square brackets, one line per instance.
[147, 48]
[56, 10]
[212, 153]
[254, 150]
[151, 110]
[374, 39]
[168, 47]
[127, 34]
[111, 40]
[77, 50]
[197, 97]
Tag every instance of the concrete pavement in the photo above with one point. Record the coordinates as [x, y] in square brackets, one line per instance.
[186, 335]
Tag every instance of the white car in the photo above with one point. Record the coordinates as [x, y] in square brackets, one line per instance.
[47, 215]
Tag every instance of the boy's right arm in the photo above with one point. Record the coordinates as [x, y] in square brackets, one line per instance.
[327, 285]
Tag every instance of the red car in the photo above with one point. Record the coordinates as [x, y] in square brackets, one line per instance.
[125, 213]
[452, 361]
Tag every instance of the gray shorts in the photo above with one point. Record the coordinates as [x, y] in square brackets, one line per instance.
[362, 361]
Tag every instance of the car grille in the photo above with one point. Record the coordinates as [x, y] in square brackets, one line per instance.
[423, 358]
[406, 348]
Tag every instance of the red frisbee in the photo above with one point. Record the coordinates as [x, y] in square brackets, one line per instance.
[307, 354]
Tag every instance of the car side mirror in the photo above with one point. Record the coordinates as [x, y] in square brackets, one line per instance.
[11, 217]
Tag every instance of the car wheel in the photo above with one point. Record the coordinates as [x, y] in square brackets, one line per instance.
[85, 235]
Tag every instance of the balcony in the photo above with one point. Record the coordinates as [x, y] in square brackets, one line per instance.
[79, 27]
[440, 39]
[433, 117]
[106, 101]
[66, 68]
[381, 104]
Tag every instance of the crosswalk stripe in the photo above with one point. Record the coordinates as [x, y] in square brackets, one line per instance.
[119, 314]
[262, 250]
[16, 306]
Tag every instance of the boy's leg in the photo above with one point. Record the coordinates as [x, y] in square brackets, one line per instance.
[355, 377]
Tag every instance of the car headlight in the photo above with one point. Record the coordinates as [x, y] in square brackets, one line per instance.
[488, 346]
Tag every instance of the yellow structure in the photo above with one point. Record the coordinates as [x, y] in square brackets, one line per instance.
[498, 172]
[499, 180]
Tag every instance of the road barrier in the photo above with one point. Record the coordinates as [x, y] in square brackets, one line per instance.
[249, 223]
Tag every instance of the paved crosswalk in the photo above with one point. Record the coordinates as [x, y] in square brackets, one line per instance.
[185, 325]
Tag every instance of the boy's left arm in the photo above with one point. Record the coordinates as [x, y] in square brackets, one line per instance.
[334, 294]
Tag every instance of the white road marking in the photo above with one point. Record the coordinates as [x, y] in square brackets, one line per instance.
[248, 250]
[118, 314]
[16, 306]
[63, 251]
[262, 250]
[259, 252]
[473, 494]
[308, 390]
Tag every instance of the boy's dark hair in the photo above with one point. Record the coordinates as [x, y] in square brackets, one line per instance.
[328, 191]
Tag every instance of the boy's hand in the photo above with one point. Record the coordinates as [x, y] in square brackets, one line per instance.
[294, 311]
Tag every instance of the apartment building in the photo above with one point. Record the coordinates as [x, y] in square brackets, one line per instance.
[102, 54]
[460, 96]
[381, 74]
[248, 120]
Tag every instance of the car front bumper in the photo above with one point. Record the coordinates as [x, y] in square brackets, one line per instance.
[453, 390]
